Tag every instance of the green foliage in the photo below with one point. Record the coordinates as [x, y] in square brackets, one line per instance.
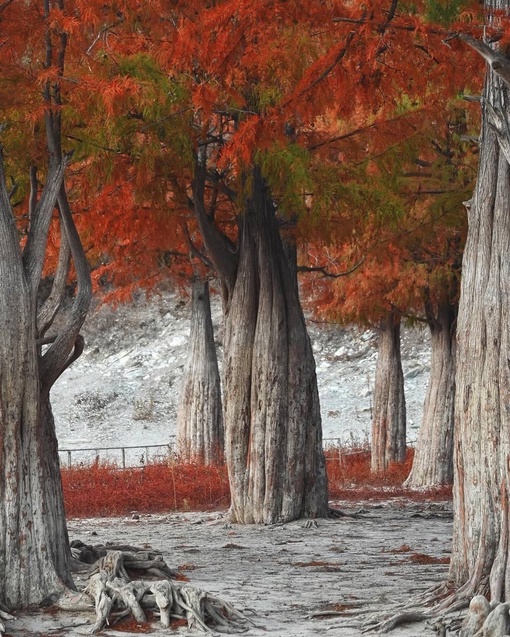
[287, 172]
[445, 11]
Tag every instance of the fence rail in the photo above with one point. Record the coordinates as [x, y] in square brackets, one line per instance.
[129, 455]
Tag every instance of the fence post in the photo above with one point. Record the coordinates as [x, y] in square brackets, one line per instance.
[123, 457]
[68, 458]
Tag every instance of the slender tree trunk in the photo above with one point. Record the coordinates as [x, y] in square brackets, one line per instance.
[200, 418]
[433, 457]
[479, 562]
[273, 430]
[389, 410]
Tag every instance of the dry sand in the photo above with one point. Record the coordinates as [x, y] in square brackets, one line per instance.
[284, 576]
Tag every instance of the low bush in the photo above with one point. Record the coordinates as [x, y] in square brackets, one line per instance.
[103, 489]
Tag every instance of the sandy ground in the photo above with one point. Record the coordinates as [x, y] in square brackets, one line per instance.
[284, 576]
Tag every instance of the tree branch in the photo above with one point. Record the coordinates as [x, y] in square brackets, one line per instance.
[326, 273]
[498, 62]
[56, 359]
[51, 306]
[35, 247]
[193, 249]
[218, 245]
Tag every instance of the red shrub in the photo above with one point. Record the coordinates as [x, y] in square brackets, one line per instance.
[350, 477]
[102, 489]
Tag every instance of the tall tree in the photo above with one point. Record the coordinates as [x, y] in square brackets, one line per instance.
[389, 408]
[481, 535]
[200, 418]
[34, 548]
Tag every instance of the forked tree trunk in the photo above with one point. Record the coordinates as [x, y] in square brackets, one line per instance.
[389, 409]
[200, 418]
[480, 554]
[273, 432]
[433, 457]
[34, 547]
[33, 544]
[34, 551]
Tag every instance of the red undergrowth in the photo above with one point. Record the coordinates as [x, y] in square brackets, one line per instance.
[350, 478]
[102, 489]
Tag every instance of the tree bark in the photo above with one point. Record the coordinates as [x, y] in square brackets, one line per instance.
[433, 456]
[389, 410]
[273, 432]
[479, 562]
[200, 419]
[34, 550]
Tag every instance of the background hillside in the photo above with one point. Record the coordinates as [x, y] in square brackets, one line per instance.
[125, 388]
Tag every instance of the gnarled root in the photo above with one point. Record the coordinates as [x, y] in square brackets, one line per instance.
[111, 587]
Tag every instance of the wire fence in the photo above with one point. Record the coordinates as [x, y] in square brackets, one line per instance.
[137, 455]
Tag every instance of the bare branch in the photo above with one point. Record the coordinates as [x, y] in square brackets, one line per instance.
[56, 359]
[49, 310]
[35, 247]
[326, 273]
[498, 62]
[218, 245]
[193, 249]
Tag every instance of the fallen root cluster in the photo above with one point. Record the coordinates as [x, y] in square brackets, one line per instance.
[116, 595]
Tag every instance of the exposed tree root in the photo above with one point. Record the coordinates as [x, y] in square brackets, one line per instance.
[4, 616]
[483, 619]
[116, 594]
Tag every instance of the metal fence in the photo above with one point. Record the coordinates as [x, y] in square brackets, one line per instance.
[126, 456]
[139, 455]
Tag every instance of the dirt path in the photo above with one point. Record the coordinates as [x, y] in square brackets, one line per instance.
[286, 573]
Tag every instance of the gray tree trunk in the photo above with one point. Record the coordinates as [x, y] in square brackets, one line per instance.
[34, 550]
[389, 409]
[433, 456]
[273, 432]
[200, 418]
[481, 533]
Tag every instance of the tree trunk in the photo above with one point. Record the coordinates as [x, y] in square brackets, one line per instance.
[200, 418]
[482, 407]
[389, 410]
[273, 429]
[433, 457]
[34, 549]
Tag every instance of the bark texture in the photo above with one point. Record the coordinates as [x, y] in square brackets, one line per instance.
[389, 410]
[273, 432]
[433, 457]
[34, 548]
[481, 534]
[200, 418]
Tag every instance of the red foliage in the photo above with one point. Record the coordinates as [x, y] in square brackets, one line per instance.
[350, 477]
[102, 489]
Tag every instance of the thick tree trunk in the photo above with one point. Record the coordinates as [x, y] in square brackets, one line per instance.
[200, 418]
[433, 457]
[34, 549]
[389, 410]
[480, 562]
[273, 430]
[33, 542]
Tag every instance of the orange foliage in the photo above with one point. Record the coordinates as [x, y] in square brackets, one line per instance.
[144, 85]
